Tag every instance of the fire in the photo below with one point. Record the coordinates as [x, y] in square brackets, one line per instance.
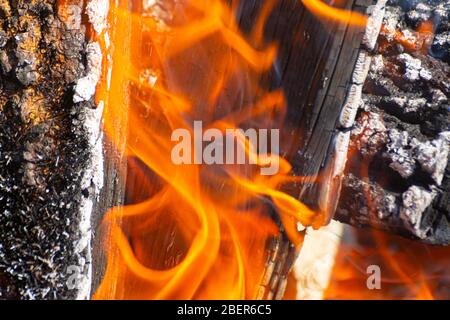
[199, 231]
[191, 231]
[324, 11]
[409, 270]
[420, 40]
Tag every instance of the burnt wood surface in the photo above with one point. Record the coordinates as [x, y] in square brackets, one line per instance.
[51, 155]
[397, 175]
[309, 69]
[314, 68]
[43, 151]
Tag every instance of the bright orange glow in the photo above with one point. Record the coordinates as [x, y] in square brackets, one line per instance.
[196, 231]
[325, 11]
[200, 231]
[419, 40]
[409, 269]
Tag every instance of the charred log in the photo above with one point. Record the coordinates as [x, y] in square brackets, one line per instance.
[397, 176]
[50, 150]
[309, 69]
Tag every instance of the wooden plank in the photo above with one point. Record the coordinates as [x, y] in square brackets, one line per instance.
[314, 67]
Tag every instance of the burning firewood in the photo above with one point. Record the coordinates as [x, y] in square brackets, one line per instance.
[50, 148]
[397, 173]
[357, 96]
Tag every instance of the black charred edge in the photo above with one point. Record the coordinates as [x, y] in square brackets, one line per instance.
[364, 198]
[280, 258]
[39, 219]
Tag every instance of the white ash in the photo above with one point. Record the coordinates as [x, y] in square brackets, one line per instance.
[421, 13]
[409, 35]
[377, 65]
[439, 96]
[408, 104]
[92, 181]
[442, 10]
[85, 87]
[351, 105]
[84, 245]
[441, 44]
[433, 156]
[425, 74]
[415, 201]
[414, 104]
[374, 21]
[97, 11]
[387, 206]
[369, 133]
[361, 68]
[399, 151]
[412, 66]
[423, 8]
[390, 22]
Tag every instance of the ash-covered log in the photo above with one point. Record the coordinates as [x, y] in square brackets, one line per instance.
[51, 158]
[397, 176]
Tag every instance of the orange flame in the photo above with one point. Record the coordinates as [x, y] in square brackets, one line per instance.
[198, 231]
[409, 269]
[419, 40]
[326, 11]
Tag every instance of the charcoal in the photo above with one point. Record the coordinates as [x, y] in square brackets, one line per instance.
[398, 174]
[44, 151]
[441, 46]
